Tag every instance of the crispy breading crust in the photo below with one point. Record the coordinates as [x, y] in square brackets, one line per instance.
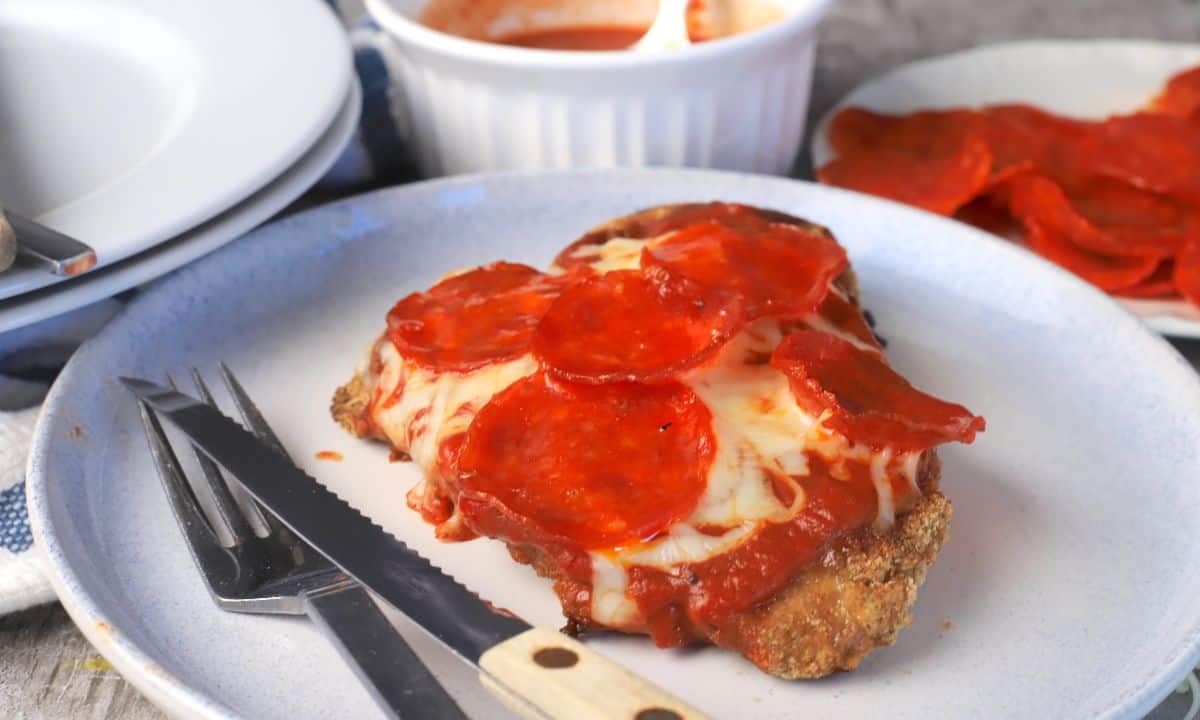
[829, 617]
[859, 599]
[349, 406]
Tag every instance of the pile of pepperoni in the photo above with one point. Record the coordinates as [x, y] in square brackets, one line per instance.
[1115, 201]
[604, 444]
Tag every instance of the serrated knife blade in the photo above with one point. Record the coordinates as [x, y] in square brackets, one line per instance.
[444, 608]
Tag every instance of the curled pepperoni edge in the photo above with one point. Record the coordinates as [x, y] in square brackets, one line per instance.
[809, 357]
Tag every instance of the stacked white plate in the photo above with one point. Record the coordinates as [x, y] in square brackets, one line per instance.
[156, 132]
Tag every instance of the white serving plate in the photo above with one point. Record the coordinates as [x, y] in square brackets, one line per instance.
[1068, 588]
[1082, 78]
[32, 307]
[128, 122]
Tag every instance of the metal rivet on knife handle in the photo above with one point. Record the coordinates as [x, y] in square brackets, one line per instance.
[657, 713]
[555, 657]
[567, 679]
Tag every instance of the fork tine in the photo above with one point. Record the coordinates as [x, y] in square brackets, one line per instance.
[229, 527]
[196, 530]
[250, 412]
[233, 502]
[224, 517]
[258, 425]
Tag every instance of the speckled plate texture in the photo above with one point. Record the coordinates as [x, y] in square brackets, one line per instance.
[1079, 78]
[1069, 587]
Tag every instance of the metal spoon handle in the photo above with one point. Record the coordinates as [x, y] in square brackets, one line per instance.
[669, 30]
[63, 254]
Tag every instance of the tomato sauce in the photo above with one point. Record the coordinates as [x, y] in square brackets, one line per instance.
[681, 604]
[601, 37]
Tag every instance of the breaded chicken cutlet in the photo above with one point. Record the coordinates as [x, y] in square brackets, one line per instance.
[686, 424]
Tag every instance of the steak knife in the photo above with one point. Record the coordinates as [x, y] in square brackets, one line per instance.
[537, 672]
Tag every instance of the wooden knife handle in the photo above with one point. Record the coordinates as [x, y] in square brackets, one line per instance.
[543, 673]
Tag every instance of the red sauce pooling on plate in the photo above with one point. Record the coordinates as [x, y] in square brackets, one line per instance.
[584, 37]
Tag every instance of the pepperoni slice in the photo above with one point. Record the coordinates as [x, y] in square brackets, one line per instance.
[867, 401]
[1180, 97]
[1036, 199]
[1159, 153]
[656, 221]
[1159, 285]
[783, 270]
[1124, 230]
[856, 129]
[989, 214]
[593, 466]
[1104, 271]
[1023, 137]
[635, 325]
[1136, 222]
[1187, 273]
[482, 316]
[837, 311]
[934, 160]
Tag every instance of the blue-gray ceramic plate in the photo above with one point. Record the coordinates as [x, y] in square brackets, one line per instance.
[1069, 587]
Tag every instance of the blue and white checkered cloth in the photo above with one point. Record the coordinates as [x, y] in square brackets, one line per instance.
[29, 359]
[21, 580]
[378, 153]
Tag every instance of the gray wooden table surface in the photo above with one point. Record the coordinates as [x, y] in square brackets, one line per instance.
[48, 671]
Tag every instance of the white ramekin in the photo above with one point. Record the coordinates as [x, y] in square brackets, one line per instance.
[737, 103]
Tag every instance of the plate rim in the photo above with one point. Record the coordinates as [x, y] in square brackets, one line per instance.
[174, 695]
[310, 108]
[171, 254]
[1164, 323]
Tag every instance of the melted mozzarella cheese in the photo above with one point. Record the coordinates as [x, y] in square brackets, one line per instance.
[433, 406]
[886, 514]
[609, 599]
[681, 544]
[910, 464]
[759, 429]
[616, 254]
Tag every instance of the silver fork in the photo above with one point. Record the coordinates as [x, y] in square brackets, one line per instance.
[272, 571]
